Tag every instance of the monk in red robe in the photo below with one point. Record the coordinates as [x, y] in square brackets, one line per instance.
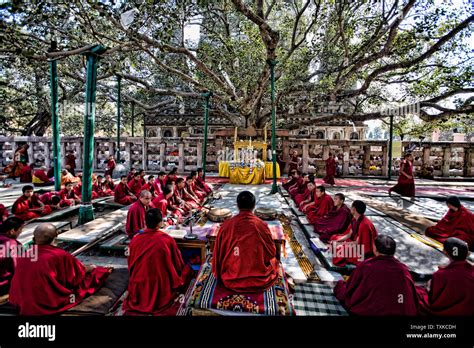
[335, 221]
[172, 176]
[40, 177]
[161, 202]
[29, 206]
[68, 196]
[10, 248]
[302, 196]
[300, 186]
[190, 187]
[189, 201]
[201, 184]
[330, 170]
[150, 186]
[131, 174]
[110, 166]
[136, 214]
[49, 280]
[135, 185]
[406, 180]
[379, 286]
[244, 257]
[157, 271]
[108, 185]
[458, 222]
[71, 162]
[294, 163]
[98, 188]
[142, 174]
[26, 174]
[122, 194]
[295, 182]
[291, 180]
[52, 199]
[451, 290]
[323, 203]
[160, 182]
[305, 204]
[357, 243]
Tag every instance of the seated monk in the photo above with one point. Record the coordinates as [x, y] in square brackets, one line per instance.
[29, 206]
[108, 185]
[142, 174]
[136, 214]
[64, 281]
[135, 185]
[335, 221]
[190, 202]
[150, 186]
[161, 202]
[9, 232]
[291, 179]
[300, 197]
[40, 177]
[68, 196]
[68, 177]
[52, 199]
[300, 187]
[25, 174]
[131, 174]
[458, 222]
[201, 184]
[122, 194]
[451, 290]
[172, 176]
[244, 253]
[295, 182]
[323, 203]
[190, 187]
[356, 244]
[160, 182]
[157, 271]
[381, 285]
[305, 204]
[98, 188]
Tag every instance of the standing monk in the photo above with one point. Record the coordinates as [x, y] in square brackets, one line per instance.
[458, 222]
[71, 162]
[110, 166]
[330, 170]
[29, 206]
[357, 243]
[381, 285]
[406, 180]
[451, 290]
[9, 232]
[157, 271]
[334, 222]
[49, 280]
[244, 257]
[294, 162]
[136, 214]
[122, 194]
[323, 203]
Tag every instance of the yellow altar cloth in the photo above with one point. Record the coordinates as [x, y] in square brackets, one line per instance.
[240, 175]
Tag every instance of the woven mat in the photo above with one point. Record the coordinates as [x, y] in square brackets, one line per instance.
[314, 299]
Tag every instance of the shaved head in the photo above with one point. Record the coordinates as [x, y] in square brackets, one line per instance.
[44, 234]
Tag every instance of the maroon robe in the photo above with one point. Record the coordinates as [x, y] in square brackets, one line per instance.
[201, 184]
[452, 291]
[300, 197]
[298, 188]
[66, 196]
[244, 254]
[183, 194]
[319, 208]
[157, 273]
[41, 175]
[25, 175]
[160, 202]
[52, 282]
[459, 224]
[151, 188]
[405, 186]
[22, 205]
[71, 162]
[334, 222]
[379, 286]
[122, 194]
[330, 171]
[363, 234]
[135, 186]
[289, 183]
[8, 261]
[110, 167]
[135, 218]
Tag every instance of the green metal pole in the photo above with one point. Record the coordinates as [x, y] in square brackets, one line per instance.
[207, 96]
[133, 119]
[55, 124]
[390, 144]
[272, 64]
[119, 83]
[86, 211]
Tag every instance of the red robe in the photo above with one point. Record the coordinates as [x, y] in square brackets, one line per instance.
[198, 193]
[379, 286]
[66, 196]
[25, 175]
[110, 167]
[3, 213]
[158, 187]
[98, 190]
[157, 273]
[201, 184]
[8, 264]
[300, 197]
[452, 291]
[22, 205]
[298, 188]
[319, 208]
[108, 188]
[160, 202]
[135, 218]
[244, 254]
[405, 186]
[334, 222]
[130, 177]
[459, 224]
[289, 183]
[41, 175]
[182, 194]
[170, 178]
[122, 194]
[135, 186]
[71, 161]
[150, 187]
[52, 283]
[363, 234]
[330, 171]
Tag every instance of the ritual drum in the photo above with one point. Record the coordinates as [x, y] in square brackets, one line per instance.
[266, 213]
[219, 214]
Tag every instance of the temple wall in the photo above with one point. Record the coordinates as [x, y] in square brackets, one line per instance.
[356, 157]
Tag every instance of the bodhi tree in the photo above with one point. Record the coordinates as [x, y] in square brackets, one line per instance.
[346, 59]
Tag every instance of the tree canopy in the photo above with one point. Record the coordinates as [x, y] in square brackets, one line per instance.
[350, 59]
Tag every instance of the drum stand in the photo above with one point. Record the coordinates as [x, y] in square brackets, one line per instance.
[190, 235]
